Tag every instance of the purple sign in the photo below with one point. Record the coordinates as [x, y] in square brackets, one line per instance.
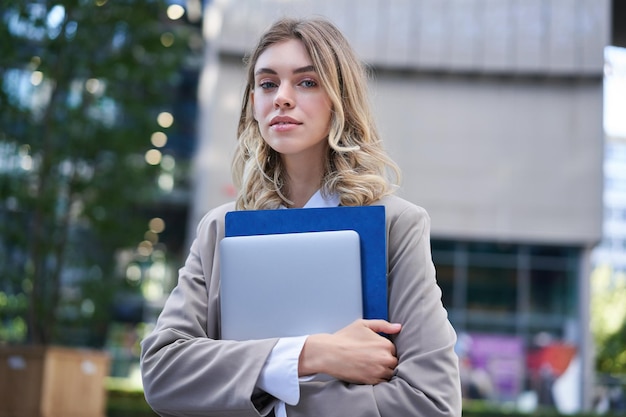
[492, 366]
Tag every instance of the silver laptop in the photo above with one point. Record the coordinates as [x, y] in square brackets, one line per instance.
[292, 284]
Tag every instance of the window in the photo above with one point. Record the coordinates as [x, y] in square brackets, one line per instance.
[507, 288]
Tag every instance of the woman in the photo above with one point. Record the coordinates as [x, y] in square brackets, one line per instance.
[306, 138]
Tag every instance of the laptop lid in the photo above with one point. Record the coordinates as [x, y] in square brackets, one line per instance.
[368, 221]
[291, 284]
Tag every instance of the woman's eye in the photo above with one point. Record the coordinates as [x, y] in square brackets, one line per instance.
[267, 85]
[308, 83]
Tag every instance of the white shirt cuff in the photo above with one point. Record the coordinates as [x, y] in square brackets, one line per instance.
[279, 376]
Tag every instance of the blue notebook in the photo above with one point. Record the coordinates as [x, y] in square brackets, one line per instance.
[367, 221]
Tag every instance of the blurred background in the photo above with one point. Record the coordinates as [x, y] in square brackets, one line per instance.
[507, 117]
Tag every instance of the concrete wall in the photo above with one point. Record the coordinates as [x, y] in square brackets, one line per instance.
[499, 159]
[520, 36]
[492, 108]
[488, 158]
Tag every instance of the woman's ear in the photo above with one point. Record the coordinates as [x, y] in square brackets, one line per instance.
[251, 99]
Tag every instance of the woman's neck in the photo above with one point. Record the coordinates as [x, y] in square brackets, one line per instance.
[301, 196]
[303, 181]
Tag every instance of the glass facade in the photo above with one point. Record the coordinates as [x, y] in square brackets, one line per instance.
[508, 288]
[511, 305]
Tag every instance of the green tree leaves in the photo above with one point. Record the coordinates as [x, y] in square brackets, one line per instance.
[608, 319]
[82, 84]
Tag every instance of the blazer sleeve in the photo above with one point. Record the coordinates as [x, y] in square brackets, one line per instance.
[186, 369]
[426, 382]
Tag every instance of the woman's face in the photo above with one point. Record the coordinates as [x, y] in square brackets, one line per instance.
[291, 107]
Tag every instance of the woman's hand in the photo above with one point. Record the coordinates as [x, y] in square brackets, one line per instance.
[356, 353]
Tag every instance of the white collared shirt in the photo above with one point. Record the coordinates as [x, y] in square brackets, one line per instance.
[279, 376]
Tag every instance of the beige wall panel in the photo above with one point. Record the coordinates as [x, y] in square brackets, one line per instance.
[369, 19]
[234, 36]
[434, 34]
[496, 160]
[220, 100]
[595, 33]
[502, 160]
[465, 33]
[564, 37]
[341, 13]
[530, 25]
[523, 36]
[490, 158]
[496, 20]
[398, 33]
[416, 34]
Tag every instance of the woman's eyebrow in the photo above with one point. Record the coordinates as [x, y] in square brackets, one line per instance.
[308, 68]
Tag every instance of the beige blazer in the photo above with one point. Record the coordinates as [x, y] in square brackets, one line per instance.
[188, 371]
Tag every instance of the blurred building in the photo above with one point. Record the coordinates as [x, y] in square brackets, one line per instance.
[608, 277]
[493, 109]
[612, 250]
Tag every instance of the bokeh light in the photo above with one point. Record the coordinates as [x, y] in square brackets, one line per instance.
[158, 139]
[168, 162]
[165, 119]
[36, 78]
[145, 248]
[133, 273]
[175, 11]
[156, 225]
[153, 156]
[35, 61]
[151, 237]
[94, 86]
[167, 39]
[166, 182]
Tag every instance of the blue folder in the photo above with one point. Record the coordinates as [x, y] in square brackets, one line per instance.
[367, 221]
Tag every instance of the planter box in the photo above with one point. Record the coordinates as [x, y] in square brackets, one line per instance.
[52, 382]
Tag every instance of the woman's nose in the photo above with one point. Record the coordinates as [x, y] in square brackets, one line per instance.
[284, 97]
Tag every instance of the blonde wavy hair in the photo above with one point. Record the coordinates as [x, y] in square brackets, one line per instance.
[357, 167]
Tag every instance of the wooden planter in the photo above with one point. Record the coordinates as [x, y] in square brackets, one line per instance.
[52, 382]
